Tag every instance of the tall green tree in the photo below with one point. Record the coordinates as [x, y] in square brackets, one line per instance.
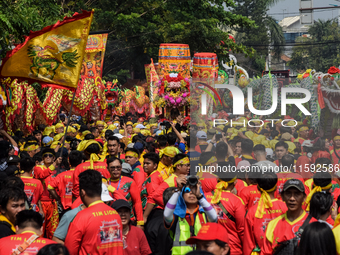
[137, 27]
[19, 17]
[320, 50]
[266, 35]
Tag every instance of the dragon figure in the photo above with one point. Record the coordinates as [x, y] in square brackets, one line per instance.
[49, 63]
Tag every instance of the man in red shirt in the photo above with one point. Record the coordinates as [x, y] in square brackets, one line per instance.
[286, 226]
[98, 228]
[126, 186]
[230, 210]
[259, 215]
[12, 201]
[33, 187]
[49, 205]
[61, 186]
[91, 150]
[27, 240]
[138, 174]
[134, 239]
[250, 195]
[113, 148]
[286, 174]
[154, 178]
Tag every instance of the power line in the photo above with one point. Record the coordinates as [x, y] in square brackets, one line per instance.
[293, 44]
[288, 13]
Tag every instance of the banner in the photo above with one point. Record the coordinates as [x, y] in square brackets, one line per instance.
[92, 66]
[52, 56]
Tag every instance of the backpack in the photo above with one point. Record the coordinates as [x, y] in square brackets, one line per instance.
[290, 247]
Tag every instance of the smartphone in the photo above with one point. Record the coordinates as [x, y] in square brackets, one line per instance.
[218, 137]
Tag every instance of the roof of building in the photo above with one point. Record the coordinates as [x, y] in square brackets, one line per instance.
[288, 21]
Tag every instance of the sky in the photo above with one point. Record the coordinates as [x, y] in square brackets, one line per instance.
[291, 8]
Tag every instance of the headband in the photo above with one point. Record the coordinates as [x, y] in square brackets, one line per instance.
[337, 137]
[31, 147]
[316, 189]
[168, 151]
[131, 154]
[48, 153]
[222, 185]
[212, 160]
[304, 128]
[83, 146]
[264, 202]
[182, 161]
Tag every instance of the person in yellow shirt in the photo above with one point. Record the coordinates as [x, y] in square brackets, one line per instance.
[166, 157]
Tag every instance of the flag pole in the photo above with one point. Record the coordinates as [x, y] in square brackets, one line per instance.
[68, 123]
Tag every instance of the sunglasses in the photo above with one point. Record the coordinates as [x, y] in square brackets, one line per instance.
[48, 155]
[115, 167]
[187, 190]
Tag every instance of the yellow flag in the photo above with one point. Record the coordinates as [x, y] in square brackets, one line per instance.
[52, 56]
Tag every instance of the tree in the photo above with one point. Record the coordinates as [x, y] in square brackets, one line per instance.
[137, 27]
[320, 50]
[18, 18]
[266, 32]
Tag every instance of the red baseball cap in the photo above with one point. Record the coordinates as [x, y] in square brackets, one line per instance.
[210, 232]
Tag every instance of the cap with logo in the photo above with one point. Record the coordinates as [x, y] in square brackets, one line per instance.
[294, 183]
[120, 203]
[210, 232]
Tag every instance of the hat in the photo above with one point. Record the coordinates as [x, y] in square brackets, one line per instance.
[48, 131]
[307, 143]
[13, 159]
[47, 141]
[118, 135]
[105, 196]
[130, 145]
[48, 150]
[59, 125]
[126, 168]
[210, 232]
[294, 183]
[211, 132]
[12, 170]
[244, 164]
[120, 203]
[140, 126]
[286, 137]
[138, 146]
[201, 135]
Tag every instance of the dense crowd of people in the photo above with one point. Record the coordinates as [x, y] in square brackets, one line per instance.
[154, 186]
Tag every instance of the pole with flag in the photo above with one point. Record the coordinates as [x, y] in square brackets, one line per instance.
[52, 56]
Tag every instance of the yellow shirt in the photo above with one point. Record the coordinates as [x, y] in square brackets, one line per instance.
[163, 170]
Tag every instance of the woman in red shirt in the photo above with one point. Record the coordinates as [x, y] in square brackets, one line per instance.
[134, 239]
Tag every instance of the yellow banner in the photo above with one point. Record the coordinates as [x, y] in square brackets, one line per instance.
[52, 56]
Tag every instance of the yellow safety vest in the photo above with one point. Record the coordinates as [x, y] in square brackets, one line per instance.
[182, 233]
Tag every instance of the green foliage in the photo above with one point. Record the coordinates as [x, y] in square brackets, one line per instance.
[321, 55]
[265, 32]
[137, 27]
[18, 18]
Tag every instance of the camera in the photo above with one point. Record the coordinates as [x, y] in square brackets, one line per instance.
[192, 180]
[166, 124]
